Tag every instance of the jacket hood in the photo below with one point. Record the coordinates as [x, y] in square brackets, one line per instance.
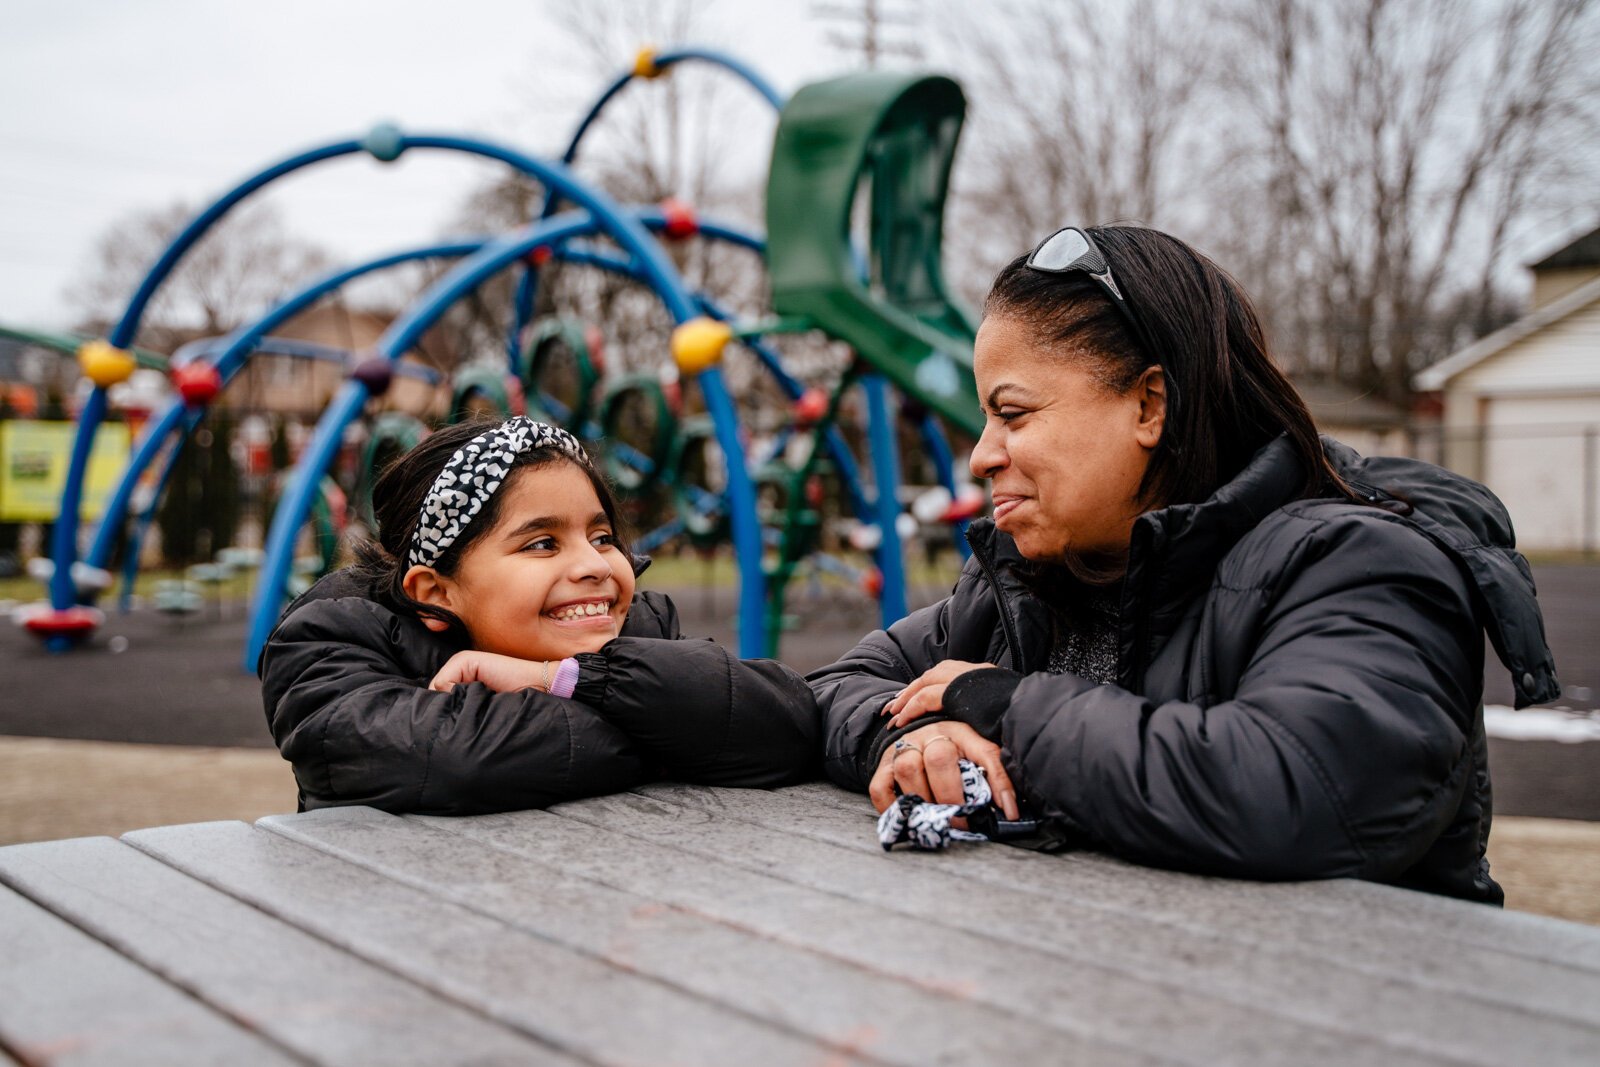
[1471, 525]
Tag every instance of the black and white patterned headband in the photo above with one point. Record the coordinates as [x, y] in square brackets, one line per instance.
[473, 475]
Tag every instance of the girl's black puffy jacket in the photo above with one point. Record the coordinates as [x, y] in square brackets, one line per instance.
[1299, 690]
[344, 681]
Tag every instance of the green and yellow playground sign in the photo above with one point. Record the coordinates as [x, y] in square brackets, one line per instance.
[33, 468]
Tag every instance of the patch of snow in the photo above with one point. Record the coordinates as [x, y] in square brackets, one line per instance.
[1540, 724]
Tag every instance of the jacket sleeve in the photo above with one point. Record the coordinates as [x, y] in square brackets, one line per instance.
[1344, 750]
[359, 731]
[699, 713]
[852, 691]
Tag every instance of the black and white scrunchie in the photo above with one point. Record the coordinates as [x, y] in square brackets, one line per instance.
[927, 825]
[473, 475]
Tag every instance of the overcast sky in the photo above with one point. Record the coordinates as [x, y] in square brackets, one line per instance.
[109, 107]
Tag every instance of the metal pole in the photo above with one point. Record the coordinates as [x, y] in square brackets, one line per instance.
[881, 431]
[1591, 444]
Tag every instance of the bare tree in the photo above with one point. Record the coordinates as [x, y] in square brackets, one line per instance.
[1390, 149]
[237, 269]
[1081, 112]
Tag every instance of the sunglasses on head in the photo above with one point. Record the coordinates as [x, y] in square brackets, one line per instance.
[1071, 250]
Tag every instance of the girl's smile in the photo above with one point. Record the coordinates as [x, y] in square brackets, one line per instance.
[581, 613]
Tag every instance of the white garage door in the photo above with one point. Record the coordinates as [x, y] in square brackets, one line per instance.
[1541, 457]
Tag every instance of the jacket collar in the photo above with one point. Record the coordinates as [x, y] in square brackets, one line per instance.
[1175, 552]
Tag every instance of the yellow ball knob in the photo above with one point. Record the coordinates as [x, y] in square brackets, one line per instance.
[104, 364]
[697, 344]
[644, 64]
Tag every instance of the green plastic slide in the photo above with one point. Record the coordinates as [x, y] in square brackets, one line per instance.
[874, 149]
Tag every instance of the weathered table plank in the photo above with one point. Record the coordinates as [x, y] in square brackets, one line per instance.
[1384, 911]
[741, 826]
[706, 926]
[301, 993]
[546, 990]
[1214, 908]
[68, 1000]
[839, 1004]
[1178, 1023]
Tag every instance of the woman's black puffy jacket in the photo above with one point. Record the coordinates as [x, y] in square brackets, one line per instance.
[1299, 689]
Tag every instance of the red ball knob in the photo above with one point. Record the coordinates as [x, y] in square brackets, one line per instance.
[681, 221]
[810, 407]
[198, 383]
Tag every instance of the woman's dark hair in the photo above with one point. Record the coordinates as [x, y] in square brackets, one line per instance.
[397, 504]
[1228, 396]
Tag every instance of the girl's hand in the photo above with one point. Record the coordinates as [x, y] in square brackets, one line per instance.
[928, 765]
[927, 692]
[503, 674]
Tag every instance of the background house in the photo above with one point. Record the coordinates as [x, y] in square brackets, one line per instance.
[1521, 407]
[1367, 423]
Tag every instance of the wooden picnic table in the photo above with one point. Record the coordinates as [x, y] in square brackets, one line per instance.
[698, 926]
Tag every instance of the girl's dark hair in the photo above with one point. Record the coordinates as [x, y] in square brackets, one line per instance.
[397, 504]
[1227, 398]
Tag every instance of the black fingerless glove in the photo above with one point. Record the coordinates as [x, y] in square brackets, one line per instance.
[979, 698]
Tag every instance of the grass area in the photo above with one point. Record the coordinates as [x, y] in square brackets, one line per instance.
[25, 589]
[720, 571]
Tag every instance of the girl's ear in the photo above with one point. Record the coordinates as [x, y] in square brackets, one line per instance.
[427, 586]
[1151, 392]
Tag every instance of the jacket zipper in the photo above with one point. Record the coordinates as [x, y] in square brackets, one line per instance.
[1008, 626]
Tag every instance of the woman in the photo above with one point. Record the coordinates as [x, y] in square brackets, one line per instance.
[1195, 634]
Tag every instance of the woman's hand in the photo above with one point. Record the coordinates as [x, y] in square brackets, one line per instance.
[927, 692]
[928, 765]
[503, 674]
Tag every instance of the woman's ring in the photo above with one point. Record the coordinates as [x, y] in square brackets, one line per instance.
[903, 746]
[941, 737]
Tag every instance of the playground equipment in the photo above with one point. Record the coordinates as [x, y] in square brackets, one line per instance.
[881, 292]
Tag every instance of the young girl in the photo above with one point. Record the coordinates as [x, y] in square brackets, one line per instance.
[489, 653]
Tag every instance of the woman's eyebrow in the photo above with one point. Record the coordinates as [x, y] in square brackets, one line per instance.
[993, 398]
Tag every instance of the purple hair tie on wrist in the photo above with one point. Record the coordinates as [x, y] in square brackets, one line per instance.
[565, 683]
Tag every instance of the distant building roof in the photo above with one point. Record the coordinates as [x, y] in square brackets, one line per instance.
[1441, 372]
[1336, 404]
[1583, 252]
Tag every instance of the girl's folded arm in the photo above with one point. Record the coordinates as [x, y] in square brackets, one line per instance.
[702, 714]
[359, 730]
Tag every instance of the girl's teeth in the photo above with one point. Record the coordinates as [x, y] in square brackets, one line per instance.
[581, 610]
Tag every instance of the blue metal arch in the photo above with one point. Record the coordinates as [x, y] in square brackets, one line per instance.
[404, 333]
[237, 348]
[388, 144]
[881, 511]
[528, 282]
